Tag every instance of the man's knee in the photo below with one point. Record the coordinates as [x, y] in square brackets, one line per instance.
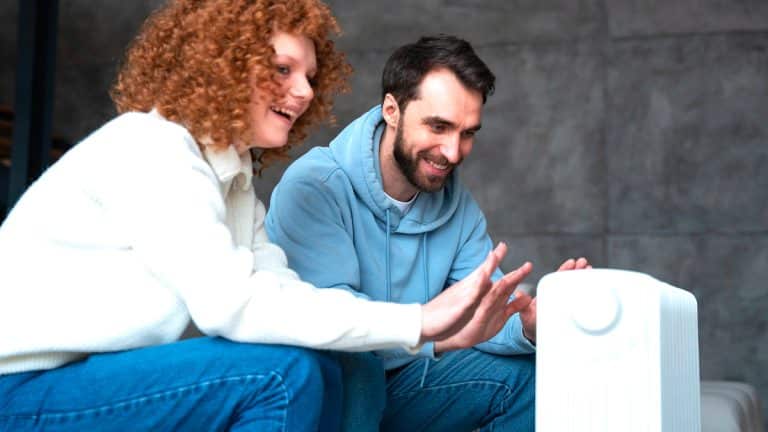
[364, 390]
[521, 380]
[527, 367]
[364, 376]
[331, 371]
[519, 372]
[333, 391]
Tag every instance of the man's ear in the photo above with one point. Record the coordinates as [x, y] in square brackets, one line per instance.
[390, 110]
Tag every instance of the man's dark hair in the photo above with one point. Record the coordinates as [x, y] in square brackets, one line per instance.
[407, 67]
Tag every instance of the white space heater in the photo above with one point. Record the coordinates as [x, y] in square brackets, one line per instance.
[617, 351]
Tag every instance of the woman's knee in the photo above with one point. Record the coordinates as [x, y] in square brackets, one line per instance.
[303, 372]
[311, 385]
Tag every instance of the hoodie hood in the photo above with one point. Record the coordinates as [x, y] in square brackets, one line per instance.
[361, 165]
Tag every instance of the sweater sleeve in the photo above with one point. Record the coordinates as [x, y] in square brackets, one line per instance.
[267, 256]
[173, 212]
[472, 252]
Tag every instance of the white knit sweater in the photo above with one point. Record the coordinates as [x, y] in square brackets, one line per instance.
[134, 232]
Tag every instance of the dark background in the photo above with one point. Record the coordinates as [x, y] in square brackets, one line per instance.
[633, 132]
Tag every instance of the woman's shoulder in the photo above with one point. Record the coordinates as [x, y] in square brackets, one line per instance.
[147, 125]
[142, 133]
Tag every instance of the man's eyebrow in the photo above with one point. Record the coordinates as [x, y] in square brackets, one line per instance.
[475, 128]
[437, 120]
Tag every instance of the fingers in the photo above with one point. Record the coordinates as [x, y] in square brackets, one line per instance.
[521, 301]
[501, 251]
[492, 261]
[516, 276]
[575, 264]
[477, 284]
[507, 284]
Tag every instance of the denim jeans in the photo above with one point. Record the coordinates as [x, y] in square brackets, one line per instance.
[198, 384]
[463, 391]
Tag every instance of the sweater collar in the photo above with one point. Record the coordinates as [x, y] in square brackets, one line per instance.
[230, 167]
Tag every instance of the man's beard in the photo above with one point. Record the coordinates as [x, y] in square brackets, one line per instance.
[409, 166]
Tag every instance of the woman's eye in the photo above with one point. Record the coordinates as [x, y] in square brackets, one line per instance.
[283, 70]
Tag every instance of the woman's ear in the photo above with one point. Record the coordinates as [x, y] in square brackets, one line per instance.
[390, 110]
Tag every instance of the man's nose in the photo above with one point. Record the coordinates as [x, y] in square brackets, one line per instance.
[450, 149]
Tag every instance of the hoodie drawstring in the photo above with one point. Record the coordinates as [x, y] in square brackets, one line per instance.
[388, 278]
[424, 374]
[425, 273]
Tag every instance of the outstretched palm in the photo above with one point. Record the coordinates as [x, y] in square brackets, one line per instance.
[528, 314]
[492, 313]
[447, 313]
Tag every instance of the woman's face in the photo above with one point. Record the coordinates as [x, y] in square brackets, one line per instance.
[295, 68]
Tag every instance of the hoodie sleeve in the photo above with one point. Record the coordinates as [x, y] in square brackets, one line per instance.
[310, 226]
[307, 224]
[472, 252]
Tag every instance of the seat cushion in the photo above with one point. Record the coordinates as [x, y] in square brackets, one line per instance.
[730, 407]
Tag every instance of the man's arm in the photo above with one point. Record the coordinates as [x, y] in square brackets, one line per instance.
[518, 335]
[306, 221]
[510, 339]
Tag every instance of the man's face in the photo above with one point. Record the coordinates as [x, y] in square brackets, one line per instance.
[436, 130]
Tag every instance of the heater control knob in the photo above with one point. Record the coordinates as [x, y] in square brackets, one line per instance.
[598, 312]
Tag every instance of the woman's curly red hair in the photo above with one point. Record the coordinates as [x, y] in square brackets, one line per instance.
[195, 60]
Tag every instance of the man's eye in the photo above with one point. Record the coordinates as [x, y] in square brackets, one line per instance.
[469, 134]
[438, 128]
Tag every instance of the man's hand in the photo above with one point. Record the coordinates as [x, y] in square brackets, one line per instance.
[492, 313]
[574, 264]
[493, 310]
[528, 314]
[447, 313]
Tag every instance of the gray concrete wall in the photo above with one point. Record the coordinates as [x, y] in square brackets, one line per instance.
[632, 132]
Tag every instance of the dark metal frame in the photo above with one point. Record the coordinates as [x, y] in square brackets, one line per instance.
[35, 72]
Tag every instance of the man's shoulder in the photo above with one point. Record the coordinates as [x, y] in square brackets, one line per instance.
[467, 204]
[317, 167]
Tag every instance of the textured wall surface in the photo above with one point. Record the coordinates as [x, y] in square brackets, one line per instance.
[632, 132]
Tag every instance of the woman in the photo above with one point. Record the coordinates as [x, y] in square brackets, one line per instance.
[151, 223]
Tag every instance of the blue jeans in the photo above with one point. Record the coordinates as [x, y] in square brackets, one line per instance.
[198, 384]
[463, 391]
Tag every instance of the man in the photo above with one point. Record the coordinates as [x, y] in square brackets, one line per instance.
[381, 213]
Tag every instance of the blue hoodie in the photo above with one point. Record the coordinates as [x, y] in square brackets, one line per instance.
[339, 229]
